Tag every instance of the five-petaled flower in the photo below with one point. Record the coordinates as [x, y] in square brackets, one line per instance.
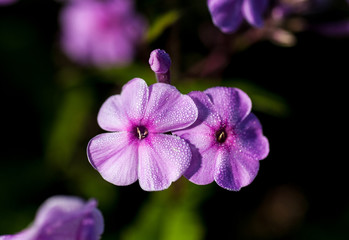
[64, 218]
[228, 15]
[140, 146]
[227, 139]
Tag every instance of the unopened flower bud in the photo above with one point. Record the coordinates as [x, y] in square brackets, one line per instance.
[160, 63]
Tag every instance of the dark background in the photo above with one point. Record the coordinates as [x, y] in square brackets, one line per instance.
[49, 107]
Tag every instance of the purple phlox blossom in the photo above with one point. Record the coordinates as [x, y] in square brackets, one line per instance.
[7, 2]
[64, 218]
[101, 33]
[160, 63]
[139, 145]
[228, 15]
[226, 140]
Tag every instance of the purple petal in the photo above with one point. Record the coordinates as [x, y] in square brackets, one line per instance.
[168, 109]
[69, 218]
[201, 136]
[7, 2]
[202, 167]
[101, 33]
[118, 112]
[159, 61]
[63, 217]
[250, 138]
[162, 159]
[226, 14]
[234, 169]
[115, 156]
[253, 11]
[232, 104]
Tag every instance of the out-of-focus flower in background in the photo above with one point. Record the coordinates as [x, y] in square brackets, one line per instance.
[228, 15]
[101, 33]
[227, 139]
[64, 217]
[7, 2]
[139, 146]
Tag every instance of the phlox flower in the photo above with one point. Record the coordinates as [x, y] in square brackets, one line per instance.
[64, 218]
[226, 140]
[101, 33]
[140, 145]
[7, 2]
[228, 15]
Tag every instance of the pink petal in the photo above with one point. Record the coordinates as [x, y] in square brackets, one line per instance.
[168, 109]
[226, 14]
[234, 169]
[202, 168]
[63, 217]
[253, 11]
[162, 160]
[201, 136]
[115, 156]
[250, 138]
[118, 112]
[232, 104]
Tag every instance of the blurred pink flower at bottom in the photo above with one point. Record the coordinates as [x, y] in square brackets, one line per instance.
[64, 218]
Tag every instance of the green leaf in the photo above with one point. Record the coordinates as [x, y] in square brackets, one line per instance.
[161, 23]
[170, 214]
[69, 126]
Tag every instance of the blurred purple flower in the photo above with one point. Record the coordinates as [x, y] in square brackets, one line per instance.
[138, 147]
[160, 63]
[101, 33]
[64, 218]
[227, 15]
[227, 140]
[7, 2]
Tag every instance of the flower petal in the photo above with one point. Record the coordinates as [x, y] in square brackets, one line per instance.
[226, 14]
[250, 138]
[201, 136]
[253, 11]
[168, 109]
[234, 169]
[162, 159]
[202, 167]
[232, 104]
[119, 111]
[115, 157]
[64, 217]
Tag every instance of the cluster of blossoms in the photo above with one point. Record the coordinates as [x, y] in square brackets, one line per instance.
[64, 218]
[158, 134]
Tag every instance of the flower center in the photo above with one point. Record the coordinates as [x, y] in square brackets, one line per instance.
[141, 132]
[221, 136]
